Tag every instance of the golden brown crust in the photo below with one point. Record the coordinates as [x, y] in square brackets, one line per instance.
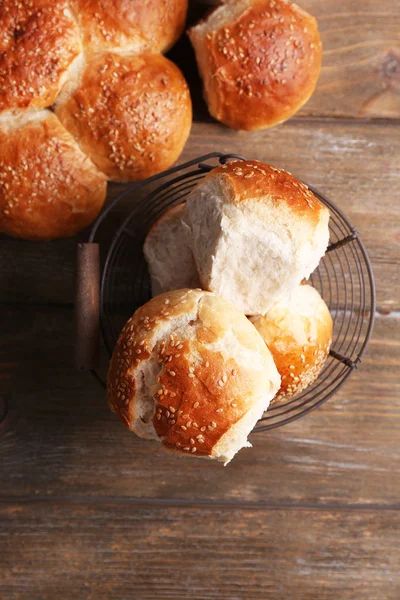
[200, 392]
[298, 344]
[48, 187]
[262, 67]
[39, 40]
[154, 25]
[252, 179]
[130, 114]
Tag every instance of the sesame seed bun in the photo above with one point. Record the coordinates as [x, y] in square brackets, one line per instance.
[130, 114]
[259, 60]
[255, 232]
[130, 25]
[48, 187]
[298, 332]
[39, 45]
[168, 255]
[192, 372]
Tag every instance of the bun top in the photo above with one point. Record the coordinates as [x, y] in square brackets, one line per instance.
[251, 180]
[259, 59]
[298, 332]
[48, 187]
[39, 42]
[132, 25]
[191, 371]
[130, 113]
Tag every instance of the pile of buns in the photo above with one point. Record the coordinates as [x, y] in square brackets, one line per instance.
[232, 325]
[119, 109]
[87, 96]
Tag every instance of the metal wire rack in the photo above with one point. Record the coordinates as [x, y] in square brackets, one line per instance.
[344, 278]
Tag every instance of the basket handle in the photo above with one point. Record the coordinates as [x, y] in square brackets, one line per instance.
[87, 306]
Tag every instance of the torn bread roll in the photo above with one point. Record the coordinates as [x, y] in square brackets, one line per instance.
[192, 372]
[259, 61]
[298, 331]
[168, 255]
[255, 232]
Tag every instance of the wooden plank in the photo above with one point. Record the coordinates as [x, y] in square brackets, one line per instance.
[61, 438]
[361, 61]
[357, 166]
[121, 550]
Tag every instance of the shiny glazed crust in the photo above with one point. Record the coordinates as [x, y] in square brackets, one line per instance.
[260, 64]
[131, 114]
[48, 187]
[39, 41]
[130, 25]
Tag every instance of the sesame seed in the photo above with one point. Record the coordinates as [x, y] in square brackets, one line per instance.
[224, 378]
[234, 404]
[158, 416]
[219, 410]
[191, 441]
[202, 428]
[207, 364]
[185, 416]
[196, 404]
[213, 424]
[168, 413]
[172, 409]
[191, 370]
[194, 449]
[291, 366]
[172, 373]
[195, 425]
[186, 448]
[183, 427]
[190, 375]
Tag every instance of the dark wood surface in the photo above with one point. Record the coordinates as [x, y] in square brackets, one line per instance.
[88, 511]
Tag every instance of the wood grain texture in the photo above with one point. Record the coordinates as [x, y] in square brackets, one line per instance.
[360, 75]
[61, 438]
[122, 550]
[358, 167]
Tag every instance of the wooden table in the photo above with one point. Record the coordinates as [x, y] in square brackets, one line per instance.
[89, 511]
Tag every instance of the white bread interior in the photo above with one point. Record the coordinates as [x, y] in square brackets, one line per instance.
[168, 255]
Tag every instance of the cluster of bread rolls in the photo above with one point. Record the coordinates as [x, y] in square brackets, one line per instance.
[120, 109]
[196, 369]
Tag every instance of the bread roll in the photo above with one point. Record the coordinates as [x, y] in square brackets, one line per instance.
[48, 187]
[130, 25]
[192, 372]
[39, 47]
[298, 332]
[130, 114]
[255, 232]
[259, 60]
[168, 255]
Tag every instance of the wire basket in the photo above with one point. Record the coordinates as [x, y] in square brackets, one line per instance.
[344, 279]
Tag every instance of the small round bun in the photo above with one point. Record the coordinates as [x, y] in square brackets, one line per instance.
[168, 255]
[259, 60]
[130, 25]
[192, 372]
[130, 114]
[255, 232]
[48, 187]
[39, 47]
[298, 332]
